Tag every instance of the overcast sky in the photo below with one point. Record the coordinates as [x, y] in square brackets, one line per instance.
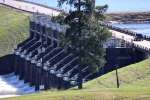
[114, 5]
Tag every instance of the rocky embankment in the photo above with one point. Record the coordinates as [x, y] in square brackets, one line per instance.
[135, 17]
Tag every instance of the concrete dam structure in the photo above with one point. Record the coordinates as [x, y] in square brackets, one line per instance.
[40, 63]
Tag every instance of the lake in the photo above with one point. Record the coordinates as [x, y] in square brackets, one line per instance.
[143, 28]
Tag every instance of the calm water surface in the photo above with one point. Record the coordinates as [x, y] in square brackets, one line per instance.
[140, 28]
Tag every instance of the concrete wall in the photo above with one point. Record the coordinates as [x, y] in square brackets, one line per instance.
[6, 64]
[120, 57]
[115, 57]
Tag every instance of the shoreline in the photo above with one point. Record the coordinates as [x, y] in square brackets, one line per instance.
[133, 17]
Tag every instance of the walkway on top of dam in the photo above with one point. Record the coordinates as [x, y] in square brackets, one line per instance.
[143, 44]
[31, 7]
[136, 39]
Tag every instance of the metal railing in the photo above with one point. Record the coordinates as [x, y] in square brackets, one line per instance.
[125, 31]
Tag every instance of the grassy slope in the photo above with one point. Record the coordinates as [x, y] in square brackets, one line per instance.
[13, 29]
[134, 85]
[132, 76]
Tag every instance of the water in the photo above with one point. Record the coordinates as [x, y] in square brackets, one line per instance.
[143, 28]
[10, 86]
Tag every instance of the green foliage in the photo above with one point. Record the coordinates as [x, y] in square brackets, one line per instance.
[59, 19]
[85, 36]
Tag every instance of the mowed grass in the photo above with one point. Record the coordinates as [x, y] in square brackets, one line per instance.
[133, 76]
[134, 85]
[14, 27]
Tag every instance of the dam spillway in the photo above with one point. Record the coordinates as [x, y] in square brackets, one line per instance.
[42, 62]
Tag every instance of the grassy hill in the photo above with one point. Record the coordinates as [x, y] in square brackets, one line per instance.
[132, 76]
[13, 29]
[134, 79]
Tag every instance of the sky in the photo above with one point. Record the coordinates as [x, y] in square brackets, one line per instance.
[114, 5]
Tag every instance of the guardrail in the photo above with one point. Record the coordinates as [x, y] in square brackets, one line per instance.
[125, 31]
[138, 46]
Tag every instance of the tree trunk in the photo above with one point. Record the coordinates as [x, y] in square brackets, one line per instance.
[80, 73]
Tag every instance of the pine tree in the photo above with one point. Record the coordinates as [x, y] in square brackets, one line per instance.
[85, 35]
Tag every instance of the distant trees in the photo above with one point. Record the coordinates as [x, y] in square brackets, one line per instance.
[85, 36]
